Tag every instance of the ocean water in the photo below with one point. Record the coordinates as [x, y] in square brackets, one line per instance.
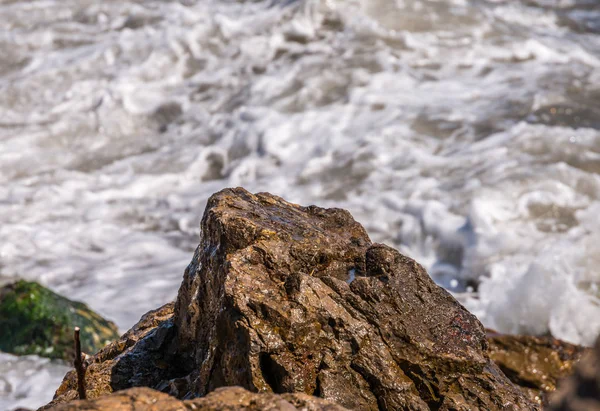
[466, 133]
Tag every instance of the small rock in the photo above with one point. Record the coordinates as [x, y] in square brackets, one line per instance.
[35, 320]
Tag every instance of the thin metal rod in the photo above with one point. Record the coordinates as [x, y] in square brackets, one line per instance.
[79, 366]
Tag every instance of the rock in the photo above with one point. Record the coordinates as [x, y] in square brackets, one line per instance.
[581, 391]
[222, 399]
[284, 298]
[35, 320]
[281, 298]
[534, 363]
[136, 354]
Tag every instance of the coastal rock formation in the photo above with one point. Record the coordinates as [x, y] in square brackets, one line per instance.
[222, 399]
[35, 320]
[534, 363]
[281, 298]
[581, 391]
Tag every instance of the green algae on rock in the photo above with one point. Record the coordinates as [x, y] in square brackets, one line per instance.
[35, 320]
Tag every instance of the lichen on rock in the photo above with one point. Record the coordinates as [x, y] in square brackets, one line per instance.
[35, 320]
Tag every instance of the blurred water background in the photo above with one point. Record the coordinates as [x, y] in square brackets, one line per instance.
[466, 133]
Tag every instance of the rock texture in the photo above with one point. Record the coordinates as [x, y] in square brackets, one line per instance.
[222, 399]
[136, 359]
[288, 299]
[35, 320]
[581, 391]
[285, 298]
[534, 363]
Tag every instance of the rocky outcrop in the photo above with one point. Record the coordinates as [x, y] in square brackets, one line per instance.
[222, 399]
[535, 364]
[281, 298]
[581, 391]
[35, 320]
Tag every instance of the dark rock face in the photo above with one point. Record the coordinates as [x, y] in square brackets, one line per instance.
[534, 363]
[581, 391]
[223, 399]
[35, 320]
[288, 299]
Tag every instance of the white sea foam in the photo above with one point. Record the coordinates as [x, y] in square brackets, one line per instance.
[27, 381]
[465, 133]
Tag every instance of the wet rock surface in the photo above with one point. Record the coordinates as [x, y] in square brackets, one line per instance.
[285, 298]
[281, 298]
[581, 391]
[222, 399]
[134, 360]
[35, 320]
[535, 364]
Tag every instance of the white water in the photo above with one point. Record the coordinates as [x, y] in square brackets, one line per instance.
[465, 133]
[25, 381]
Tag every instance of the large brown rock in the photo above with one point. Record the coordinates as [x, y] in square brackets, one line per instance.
[581, 391]
[223, 399]
[289, 299]
[534, 363]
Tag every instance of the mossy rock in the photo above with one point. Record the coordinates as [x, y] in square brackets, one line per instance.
[35, 320]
